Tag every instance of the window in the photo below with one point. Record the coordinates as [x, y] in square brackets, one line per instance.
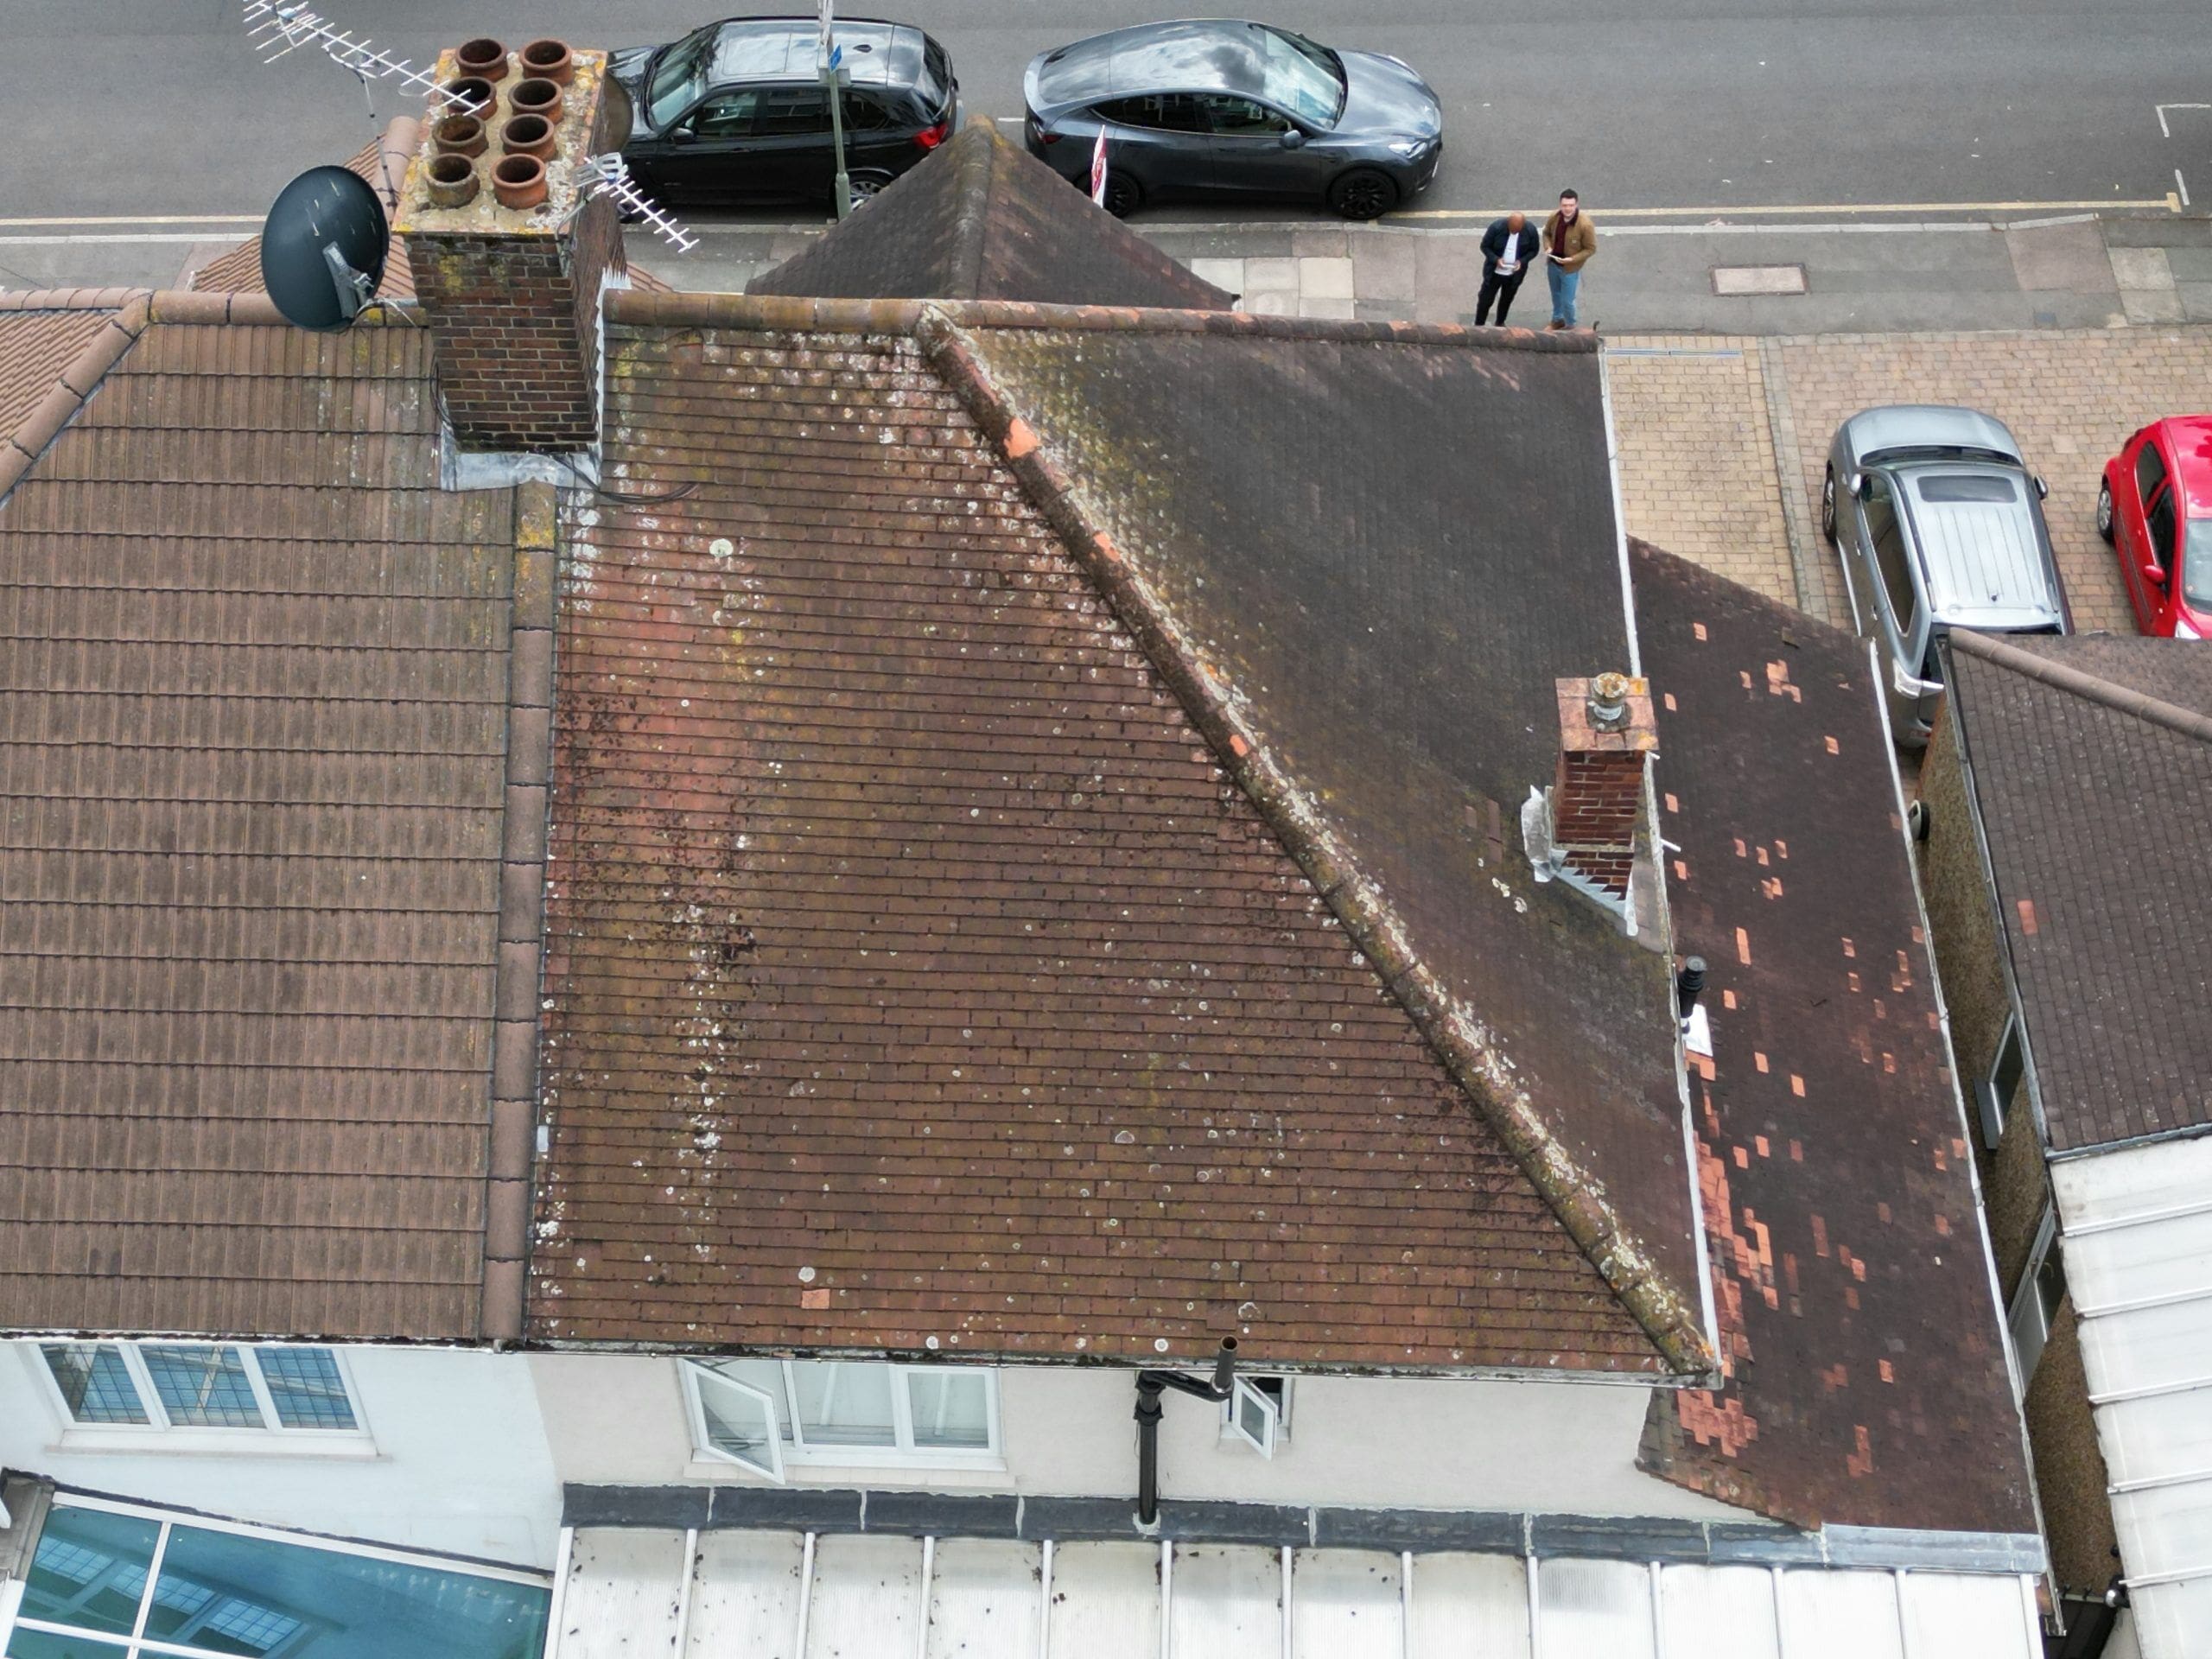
[1160, 111]
[726, 115]
[107, 1578]
[1995, 1094]
[175, 1385]
[1888, 537]
[1240, 118]
[2035, 1303]
[863, 112]
[2150, 470]
[792, 113]
[2160, 519]
[1257, 1413]
[763, 1413]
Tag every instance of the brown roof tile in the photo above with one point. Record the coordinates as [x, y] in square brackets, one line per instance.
[253, 688]
[1867, 1378]
[35, 346]
[981, 220]
[2091, 763]
[907, 935]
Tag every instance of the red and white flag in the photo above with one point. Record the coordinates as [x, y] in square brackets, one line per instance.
[1098, 169]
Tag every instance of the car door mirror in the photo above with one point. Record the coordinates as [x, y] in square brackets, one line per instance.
[2153, 572]
[681, 135]
[1861, 486]
[1293, 138]
[2043, 490]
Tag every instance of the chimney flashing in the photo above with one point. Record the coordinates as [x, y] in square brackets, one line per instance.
[1588, 828]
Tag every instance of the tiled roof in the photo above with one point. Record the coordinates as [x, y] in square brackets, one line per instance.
[981, 220]
[253, 745]
[37, 349]
[934, 951]
[1866, 1380]
[2090, 761]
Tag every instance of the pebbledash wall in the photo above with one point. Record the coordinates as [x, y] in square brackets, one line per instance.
[1379, 1442]
[454, 1457]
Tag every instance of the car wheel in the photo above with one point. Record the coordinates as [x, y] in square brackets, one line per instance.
[1124, 195]
[2104, 512]
[1827, 506]
[865, 187]
[1364, 193]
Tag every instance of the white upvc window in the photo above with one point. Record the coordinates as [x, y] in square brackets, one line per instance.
[1995, 1094]
[1257, 1413]
[2035, 1303]
[143, 1395]
[764, 1414]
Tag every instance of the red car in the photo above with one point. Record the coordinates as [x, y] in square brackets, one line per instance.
[2156, 510]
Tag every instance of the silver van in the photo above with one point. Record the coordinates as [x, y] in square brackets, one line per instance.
[1939, 525]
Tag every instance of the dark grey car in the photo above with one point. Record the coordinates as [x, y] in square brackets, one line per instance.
[1234, 109]
[1939, 525]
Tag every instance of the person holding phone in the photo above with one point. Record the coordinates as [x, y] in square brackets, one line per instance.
[1569, 241]
[1508, 247]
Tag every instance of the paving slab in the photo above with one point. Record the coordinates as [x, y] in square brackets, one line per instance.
[2069, 257]
[1326, 279]
[1382, 267]
[1227, 275]
[2141, 268]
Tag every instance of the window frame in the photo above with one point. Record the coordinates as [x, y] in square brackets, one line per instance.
[137, 1644]
[2026, 1310]
[1274, 1394]
[1991, 1106]
[160, 1432]
[795, 1452]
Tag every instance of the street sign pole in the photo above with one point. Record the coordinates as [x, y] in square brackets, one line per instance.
[829, 56]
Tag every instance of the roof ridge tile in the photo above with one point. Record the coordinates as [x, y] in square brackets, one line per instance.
[2094, 688]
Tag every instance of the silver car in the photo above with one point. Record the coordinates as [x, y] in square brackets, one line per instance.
[1939, 525]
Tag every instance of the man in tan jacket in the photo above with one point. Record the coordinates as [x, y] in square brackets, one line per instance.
[1568, 242]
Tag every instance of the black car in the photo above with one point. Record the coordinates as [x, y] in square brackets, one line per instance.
[736, 113]
[1235, 109]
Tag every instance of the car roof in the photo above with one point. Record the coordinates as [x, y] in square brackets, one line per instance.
[1195, 55]
[1984, 561]
[784, 48]
[1930, 426]
[2187, 441]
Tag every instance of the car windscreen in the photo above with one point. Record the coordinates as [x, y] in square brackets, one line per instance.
[1301, 77]
[678, 78]
[2196, 560]
[1939, 488]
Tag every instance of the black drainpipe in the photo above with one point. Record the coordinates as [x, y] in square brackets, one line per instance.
[1150, 1386]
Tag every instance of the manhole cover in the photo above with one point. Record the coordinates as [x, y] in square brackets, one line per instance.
[1758, 279]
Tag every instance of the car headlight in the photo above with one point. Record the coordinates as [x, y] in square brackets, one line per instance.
[1411, 149]
[2182, 631]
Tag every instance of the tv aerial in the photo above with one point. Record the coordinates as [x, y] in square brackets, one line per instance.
[277, 29]
[323, 249]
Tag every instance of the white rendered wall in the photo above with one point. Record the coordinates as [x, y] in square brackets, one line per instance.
[1379, 1442]
[460, 1461]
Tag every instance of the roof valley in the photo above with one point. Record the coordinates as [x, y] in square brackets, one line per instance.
[1574, 1194]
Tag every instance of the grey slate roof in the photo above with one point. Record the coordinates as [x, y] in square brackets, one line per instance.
[2091, 764]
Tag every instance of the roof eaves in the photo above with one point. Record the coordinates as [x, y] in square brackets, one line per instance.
[2125, 700]
[1675, 1323]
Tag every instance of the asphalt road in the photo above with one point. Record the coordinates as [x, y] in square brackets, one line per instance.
[138, 108]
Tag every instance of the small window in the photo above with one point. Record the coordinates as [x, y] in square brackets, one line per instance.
[2035, 1303]
[864, 113]
[726, 115]
[1890, 558]
[851, 1412]
[792, 112]
[1995, 1094]
[2150, 470]
[1160, 111]
[1257, 1412]
[174, 1385]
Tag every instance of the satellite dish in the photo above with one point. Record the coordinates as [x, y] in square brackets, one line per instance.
[323, 248]
[620, 114]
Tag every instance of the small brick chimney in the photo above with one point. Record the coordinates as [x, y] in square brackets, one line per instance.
[1583, 828]
[510, 255]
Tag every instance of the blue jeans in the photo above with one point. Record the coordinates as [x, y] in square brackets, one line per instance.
[1564, 282]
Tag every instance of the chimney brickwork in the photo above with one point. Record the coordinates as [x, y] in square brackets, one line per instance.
[1606, 729]
[512, 293]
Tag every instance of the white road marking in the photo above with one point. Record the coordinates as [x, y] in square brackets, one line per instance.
[2183, 184]
[173, 219]
[64, 241]
[2164, 131]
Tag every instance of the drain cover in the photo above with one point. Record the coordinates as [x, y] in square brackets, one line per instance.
[1758, 279]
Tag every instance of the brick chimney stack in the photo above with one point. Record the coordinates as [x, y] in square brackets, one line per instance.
[510, 256]
[1606, 729]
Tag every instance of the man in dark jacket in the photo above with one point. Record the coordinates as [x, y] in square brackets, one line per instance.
[1508, 247]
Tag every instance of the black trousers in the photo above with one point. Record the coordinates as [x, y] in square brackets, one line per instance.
[1501, 288]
